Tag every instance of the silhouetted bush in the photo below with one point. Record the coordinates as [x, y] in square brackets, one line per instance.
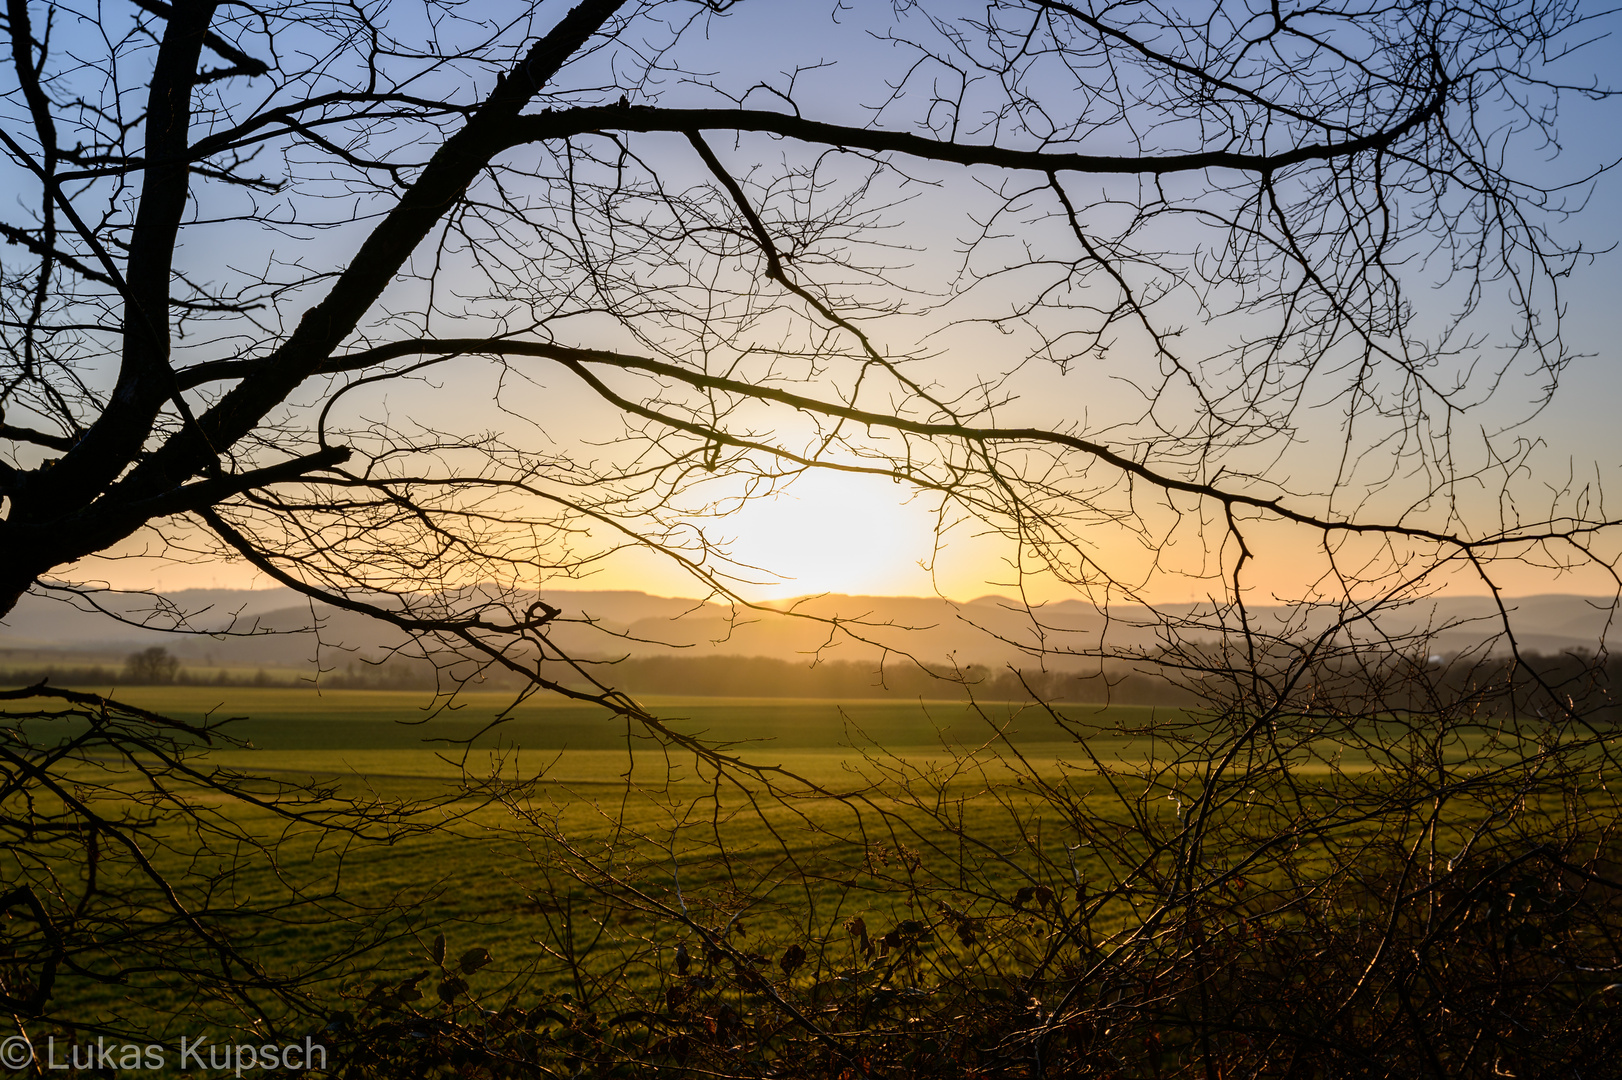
[151, 667]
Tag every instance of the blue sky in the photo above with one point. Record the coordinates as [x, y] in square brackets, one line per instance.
[866, 536]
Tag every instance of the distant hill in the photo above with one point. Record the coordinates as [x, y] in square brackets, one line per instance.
[277, 627]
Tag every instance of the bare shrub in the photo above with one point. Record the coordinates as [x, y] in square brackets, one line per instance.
[254, 248]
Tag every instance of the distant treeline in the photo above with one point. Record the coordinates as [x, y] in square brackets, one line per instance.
[1351, 685]
[101, 676]
[1372, 683]
[699, 676]
[1564, 684]
[156, 667]
[761, 676]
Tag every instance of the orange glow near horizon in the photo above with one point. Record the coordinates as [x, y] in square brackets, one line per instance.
[830, 532]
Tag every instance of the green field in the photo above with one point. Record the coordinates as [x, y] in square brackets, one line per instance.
[298, 719]
[489, 876]
[394, 740]
[411, 736]
[880, 808]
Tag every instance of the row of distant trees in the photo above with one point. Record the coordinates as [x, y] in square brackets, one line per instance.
[762, 676]
[707, 676]
[154, 666]
[1426, 682]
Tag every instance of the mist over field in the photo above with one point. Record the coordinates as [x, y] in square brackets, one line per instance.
[273, 627]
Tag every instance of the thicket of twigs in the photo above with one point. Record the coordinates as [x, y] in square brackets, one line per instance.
[1322, 887]
[1498, 970]
[1337, 867]
[134, 865]
[1304, 267]
[1341, 865]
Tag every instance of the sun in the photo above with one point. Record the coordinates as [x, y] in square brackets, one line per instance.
[835, 532]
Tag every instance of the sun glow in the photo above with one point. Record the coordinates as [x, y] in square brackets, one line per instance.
[831, 532]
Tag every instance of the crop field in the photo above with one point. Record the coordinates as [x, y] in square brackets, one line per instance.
[299, 719]
[407, 744]
[873, 802]
[486, 875]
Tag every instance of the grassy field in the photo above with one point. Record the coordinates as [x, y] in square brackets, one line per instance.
[489, 876]
[298, 719]
[925, 798]
[394, 741]
[411, 736]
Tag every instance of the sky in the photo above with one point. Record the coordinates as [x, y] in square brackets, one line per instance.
[864, 535]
